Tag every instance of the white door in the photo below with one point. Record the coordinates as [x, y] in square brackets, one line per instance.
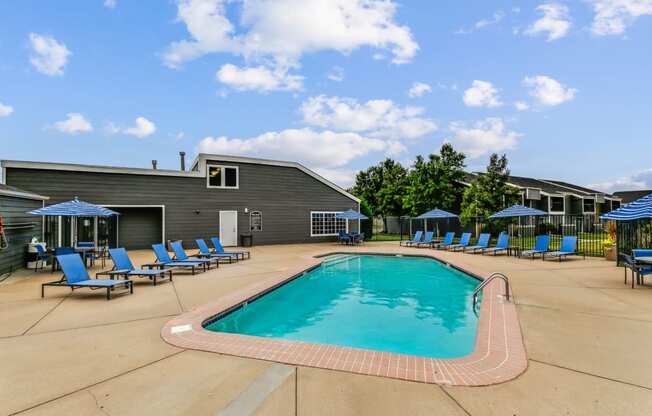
[229, 228]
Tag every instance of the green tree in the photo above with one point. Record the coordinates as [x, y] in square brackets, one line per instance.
[382, 187]
[435, 183]
[489, 192]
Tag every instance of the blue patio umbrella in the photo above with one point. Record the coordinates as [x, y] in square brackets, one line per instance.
[637, 210]
[74, 208]
[436, 214]
[518, 211]
[350, 215]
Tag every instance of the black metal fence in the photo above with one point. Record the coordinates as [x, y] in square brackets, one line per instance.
[589, 229]
[633, 234]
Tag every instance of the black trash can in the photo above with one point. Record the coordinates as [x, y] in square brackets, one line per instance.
[246, 240]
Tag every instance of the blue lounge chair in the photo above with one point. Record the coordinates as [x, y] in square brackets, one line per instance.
[448, 240]
[204, 251]
[541, 246]
[427, 240]
[501, 245]
[415, 240]
[464, 241]
[481, 244]
[344, 238]
[124, 267]
[75, 276]
[164, 260]
[358, 238]
[219, 249]
[568, 247]
[180, 255]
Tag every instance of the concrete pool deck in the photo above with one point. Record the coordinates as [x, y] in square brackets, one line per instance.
[588, 339]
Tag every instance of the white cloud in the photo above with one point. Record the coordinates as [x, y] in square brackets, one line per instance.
[48, 56]
[548, 91]
[487, 136]
[496, 18]
[639, 181]
[276, 34]
[522, 106]
[74, 124]
[110, 4]
[258, 79]
[5, 110]
[336, 74]
[141, 129]
[325, 149]
[482, 94]
[613, 16]
[378, 118]
[555, 21]
[418, 89]
[342, 177]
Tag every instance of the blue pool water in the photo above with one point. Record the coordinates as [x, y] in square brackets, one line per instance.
[407, 305]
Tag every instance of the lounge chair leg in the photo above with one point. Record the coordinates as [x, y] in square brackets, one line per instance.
[131, 287]
[108, 293]
[154, 281]
[43, 287]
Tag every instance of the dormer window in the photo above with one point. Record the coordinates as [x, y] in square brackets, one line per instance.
[222, 176]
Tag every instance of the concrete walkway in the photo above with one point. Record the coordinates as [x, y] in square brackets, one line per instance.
[588, 337]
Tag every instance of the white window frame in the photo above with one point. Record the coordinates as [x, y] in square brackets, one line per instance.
[326, 212]
[223, 186]
[594, 205]
[563, 200]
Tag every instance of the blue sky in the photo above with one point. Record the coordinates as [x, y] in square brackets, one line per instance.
[562, 87]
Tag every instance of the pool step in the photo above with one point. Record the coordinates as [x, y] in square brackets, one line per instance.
[261, 392]
[336, 259]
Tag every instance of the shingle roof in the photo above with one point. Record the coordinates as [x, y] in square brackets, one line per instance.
[578, 188]
[631, 196]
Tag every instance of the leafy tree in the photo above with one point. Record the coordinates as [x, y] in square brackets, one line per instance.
[435, 183]
[382, 187]
[489, 192]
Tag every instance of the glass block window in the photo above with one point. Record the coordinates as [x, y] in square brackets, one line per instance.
[325, 224]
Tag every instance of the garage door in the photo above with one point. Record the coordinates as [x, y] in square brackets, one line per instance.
[139, 227]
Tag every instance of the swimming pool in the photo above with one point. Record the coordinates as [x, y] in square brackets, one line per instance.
[407, 305]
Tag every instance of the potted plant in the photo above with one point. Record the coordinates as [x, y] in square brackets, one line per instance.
[609, 245]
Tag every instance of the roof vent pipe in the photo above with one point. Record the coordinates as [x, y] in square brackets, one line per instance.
[182, 157]
[154, 162]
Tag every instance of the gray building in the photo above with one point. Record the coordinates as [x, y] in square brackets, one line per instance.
[18, 226]
[560, 198]
[274, 201]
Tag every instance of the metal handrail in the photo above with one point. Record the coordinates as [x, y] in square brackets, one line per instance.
[486, 281]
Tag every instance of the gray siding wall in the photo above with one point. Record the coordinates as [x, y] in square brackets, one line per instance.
[13, 210]
[284, 195]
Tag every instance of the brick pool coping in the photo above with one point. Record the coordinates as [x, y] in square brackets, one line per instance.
[499, 353]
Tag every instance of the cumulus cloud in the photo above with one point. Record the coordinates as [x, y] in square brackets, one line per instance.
[612, 17]
[110, 4]
[336, 74]
[555, 22]
[141, 129]
[486, 136]
[378, 118]
[48, 56]
[74, 124]
[418, 89]
[258, 78]
[522, 106]
[325, 149]
[639, 181]
[342, 177]
[278, 33]
[547, 91]
[5, 110]
[482, 94]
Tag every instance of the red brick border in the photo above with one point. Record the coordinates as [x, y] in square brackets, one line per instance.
[499, 353]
